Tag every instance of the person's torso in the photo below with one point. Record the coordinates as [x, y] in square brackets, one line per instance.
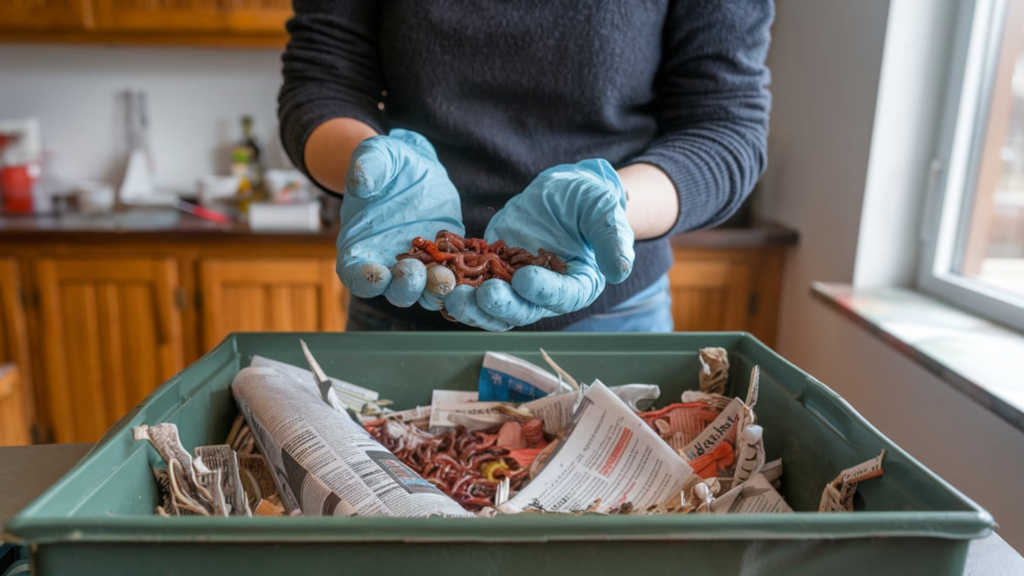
[506, 89]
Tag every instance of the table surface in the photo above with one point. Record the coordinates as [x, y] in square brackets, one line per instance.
[27, 471]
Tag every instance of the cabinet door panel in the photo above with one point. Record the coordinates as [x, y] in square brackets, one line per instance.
[257, 16]
[112, 334]
[44, 15]
[160, 16]
[270, 295]
[710, 291]
[16, 406]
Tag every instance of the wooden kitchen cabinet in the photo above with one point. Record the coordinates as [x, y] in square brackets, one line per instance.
[727, 290]
[96, 319]
[159, 16]
[14, 416]
[45, 15]
[270, 295]
[16, 405]
[193, 16]
[110, 334]
[238, 23]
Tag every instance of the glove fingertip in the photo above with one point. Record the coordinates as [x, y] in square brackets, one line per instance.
[614, 253]
[539, 286]
[559, 293]
[408, 279]
[369, 170]
[498, 299]
[366, 279]
[461, 304]
[616, 268]
[431, 301]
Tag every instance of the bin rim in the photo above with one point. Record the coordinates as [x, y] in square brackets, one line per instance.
[962, 525]
[35, 525]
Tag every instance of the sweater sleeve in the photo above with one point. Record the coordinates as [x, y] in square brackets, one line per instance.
[331, 69]
[713, 103]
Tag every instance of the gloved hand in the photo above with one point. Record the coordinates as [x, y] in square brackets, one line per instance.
[396, 190]
[577, 211]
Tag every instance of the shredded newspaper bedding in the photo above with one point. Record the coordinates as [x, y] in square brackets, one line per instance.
[526, 441]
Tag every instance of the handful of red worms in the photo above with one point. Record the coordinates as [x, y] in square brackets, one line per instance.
[471, 261]
[465, 464]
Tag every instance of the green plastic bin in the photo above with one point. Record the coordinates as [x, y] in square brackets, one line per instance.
[99, 519]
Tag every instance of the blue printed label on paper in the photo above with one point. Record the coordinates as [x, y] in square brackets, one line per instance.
[495, 386]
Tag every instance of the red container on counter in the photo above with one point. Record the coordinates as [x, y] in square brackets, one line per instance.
[16, 189]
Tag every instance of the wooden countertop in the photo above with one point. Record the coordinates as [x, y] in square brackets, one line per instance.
[168, 225]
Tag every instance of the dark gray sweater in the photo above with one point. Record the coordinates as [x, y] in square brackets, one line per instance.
[506, 89]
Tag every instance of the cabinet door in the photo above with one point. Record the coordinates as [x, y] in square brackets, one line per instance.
[270, 295]
[256, 17]
[15, 388]
[44, 15]
[711, 290]
[160, 16]
[111, 334]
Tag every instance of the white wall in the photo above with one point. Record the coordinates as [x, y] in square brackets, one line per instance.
[826, 61]
[196, 97]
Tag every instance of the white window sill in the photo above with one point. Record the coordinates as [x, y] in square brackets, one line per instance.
[981, 359]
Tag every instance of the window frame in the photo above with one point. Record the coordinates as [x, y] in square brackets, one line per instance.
[955, 169]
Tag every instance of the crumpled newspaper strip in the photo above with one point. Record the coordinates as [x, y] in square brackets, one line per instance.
[163, 481]
[609, 461]
[751, 453]
[211, 480]
[164, 437]
[257, 479]
[186, 493]
[222, 458]
[838, 495]
[207, 485]
[705, 429]
[186, 503]
[714, 370]
[755, 496]
[240, 438]
[713, 452]
[718, 495]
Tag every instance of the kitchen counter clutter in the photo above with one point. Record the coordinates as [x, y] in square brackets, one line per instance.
[97, 310]
[162, 223]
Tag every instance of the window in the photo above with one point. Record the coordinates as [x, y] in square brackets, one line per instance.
[974, 228]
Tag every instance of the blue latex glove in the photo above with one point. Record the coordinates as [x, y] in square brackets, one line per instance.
[577, 211]
[395, 190]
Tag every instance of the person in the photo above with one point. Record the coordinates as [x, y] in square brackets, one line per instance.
[594, 130]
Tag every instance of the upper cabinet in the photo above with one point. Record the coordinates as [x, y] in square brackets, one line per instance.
[186, 22]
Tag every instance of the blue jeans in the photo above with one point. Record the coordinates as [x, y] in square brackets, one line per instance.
[649, 310]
